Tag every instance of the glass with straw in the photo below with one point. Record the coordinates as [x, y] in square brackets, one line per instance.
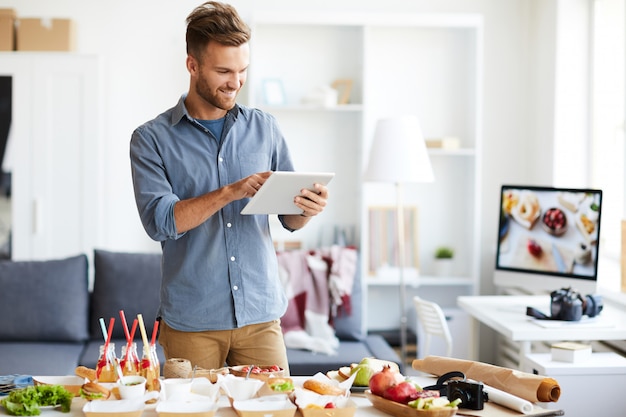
[150, 367]
[129, 359]
[106, 369]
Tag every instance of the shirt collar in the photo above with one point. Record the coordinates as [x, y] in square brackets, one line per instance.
[180, 111]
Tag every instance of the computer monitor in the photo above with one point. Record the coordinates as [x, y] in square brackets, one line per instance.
[548, 238]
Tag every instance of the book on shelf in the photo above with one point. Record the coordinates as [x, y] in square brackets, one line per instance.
[570, 352]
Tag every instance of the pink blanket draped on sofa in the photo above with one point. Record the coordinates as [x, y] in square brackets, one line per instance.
[318, 284]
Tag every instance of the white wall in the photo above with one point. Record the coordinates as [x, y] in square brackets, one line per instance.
[143, 49]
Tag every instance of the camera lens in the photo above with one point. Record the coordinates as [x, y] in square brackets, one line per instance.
[592, 305]
[459, 394]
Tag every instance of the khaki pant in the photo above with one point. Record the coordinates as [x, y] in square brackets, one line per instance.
[257, 344]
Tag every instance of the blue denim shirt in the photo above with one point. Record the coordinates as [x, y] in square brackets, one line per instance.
[223, 274]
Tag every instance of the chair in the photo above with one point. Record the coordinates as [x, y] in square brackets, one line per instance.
[434, 323]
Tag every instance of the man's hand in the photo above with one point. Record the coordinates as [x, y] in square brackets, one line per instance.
[312, 203]
[249, 186]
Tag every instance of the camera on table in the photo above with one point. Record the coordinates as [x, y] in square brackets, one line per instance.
[469, 392]
[569, 305]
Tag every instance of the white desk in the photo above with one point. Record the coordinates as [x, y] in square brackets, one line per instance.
[506, 314]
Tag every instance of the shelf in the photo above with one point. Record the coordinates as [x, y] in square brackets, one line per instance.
[422, 281]
[312, 108]
[452, 152]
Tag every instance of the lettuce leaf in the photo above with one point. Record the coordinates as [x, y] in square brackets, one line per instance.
[26, 401]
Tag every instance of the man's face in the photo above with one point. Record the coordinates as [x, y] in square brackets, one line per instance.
[220, 74]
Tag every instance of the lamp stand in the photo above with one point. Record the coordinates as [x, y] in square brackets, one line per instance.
[401, 266]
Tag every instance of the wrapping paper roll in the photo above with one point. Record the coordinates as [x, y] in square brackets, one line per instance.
[530, 387]
[508, 400]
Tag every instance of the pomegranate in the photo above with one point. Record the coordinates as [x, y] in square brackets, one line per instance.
[403, 393]
[382, 380]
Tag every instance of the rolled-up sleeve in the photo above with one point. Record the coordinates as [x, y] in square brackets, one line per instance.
[153, 192]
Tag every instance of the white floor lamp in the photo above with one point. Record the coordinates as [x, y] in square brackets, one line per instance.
[398, 155]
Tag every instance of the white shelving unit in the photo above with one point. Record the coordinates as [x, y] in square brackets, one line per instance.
[55, 202]
[422, 64]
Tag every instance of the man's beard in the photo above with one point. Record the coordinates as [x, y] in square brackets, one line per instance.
[214, 99]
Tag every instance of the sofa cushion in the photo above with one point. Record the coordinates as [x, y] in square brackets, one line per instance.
[39, 358]
[46, 300]
[349, 323]
[124, 281]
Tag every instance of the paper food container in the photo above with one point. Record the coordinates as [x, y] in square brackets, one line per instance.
[312, 404]
[206, 388]
[238, 388]
[268, 406]
[186, 408]
[70, 383]
[344, 407]
[119, 408]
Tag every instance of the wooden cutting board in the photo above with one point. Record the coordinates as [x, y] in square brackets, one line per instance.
[546, 262]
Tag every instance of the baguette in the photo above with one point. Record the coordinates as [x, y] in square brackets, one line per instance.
[322, 388]
[84, 372]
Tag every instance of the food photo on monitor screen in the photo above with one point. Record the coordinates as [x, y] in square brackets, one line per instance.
[548, 237]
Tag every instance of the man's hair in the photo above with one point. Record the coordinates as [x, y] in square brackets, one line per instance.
[214, 21]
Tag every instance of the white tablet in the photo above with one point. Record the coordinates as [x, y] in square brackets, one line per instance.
[277, 193]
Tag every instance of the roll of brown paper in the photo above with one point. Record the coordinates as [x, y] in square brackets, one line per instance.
[522, 384]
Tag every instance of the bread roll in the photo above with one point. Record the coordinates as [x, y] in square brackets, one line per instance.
[84, 372]
[322, 388]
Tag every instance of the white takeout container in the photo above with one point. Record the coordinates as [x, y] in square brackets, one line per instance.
[238, 388]
[205, 388]
[120, 408]
[268, 406]
[186, 408]
[176, 389]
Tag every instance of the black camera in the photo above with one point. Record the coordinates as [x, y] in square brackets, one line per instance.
[469, 392]
[569, 305]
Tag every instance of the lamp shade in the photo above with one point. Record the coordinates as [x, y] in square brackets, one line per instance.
[398, 153]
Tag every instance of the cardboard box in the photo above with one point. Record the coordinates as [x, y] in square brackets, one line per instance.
[443, 143]
[570, 352]
[34, 34]
[7, 30]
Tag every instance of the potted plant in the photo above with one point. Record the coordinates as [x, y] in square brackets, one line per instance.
[444, 256]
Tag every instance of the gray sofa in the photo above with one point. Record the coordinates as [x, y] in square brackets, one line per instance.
[50, 317]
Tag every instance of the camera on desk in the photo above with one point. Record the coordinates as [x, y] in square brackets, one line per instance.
[569, 305]
[469, 392]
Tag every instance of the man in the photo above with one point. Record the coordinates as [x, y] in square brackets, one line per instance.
[194, 167]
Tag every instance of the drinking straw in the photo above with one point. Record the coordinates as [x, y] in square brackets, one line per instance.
[130, 340]
[110, 332]
[154, 332]
[103, 327]
[124, 325]
[144, 336]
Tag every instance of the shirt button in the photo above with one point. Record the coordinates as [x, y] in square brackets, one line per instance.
[228, 224]
[235, 288]
[232, 258]
[221, 159]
